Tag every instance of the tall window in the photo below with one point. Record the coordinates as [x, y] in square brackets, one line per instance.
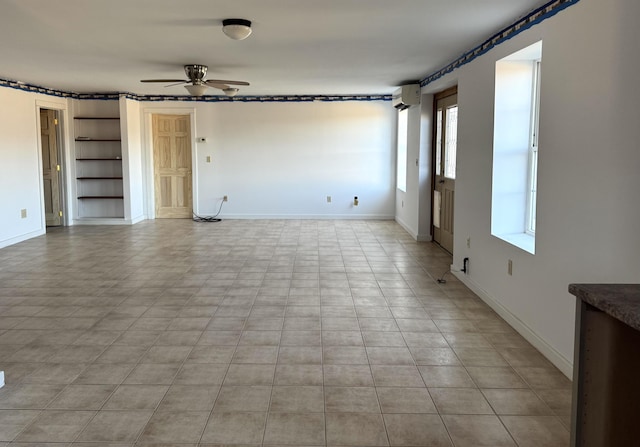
[515, 147]
[533, 152]
[401, 175]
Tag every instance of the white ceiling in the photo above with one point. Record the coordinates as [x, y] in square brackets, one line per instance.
[297, 46]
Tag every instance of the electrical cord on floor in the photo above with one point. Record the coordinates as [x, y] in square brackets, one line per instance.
[215, 218]
[441, 280]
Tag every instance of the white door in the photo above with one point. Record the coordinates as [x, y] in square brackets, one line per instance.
[446, 135]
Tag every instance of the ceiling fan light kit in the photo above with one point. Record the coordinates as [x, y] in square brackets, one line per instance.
[197, 89]
[230, 91]
[236, 29]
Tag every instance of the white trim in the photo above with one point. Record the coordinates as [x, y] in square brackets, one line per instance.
[406, 227]
[107, 221]
[308, 216]
[1, 379]
[563, 364]
[22, 237]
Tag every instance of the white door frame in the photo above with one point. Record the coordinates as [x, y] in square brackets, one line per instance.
[147, 154]
[68, 168]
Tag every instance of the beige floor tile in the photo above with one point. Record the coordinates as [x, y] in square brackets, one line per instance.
[496, 377]
[248, 374]
[256, 354]
[351, 400]
[446, 377]
[516, 402]
[416, 430]
[460, 401]
[55, 426]
[298, 375]
[152, 374]
[235, 428]
[189, 398]
[405, 400]
[12, 422]
[104, 374]
[302, 355]
[276, 320]
[344, 355]
[27, 396]
[297, 399]
[356, 429]
[82, 397]
[435, 356]
[295, 428]
[115, 426]
[404, 376]
[201, 374]
[136, 397]
[342, 338]
[167, 427]
[537, 431]
[383, 339]
[477, 430]
[242, 399]
[347, 375]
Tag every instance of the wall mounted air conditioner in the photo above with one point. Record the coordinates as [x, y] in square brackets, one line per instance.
[405, 96]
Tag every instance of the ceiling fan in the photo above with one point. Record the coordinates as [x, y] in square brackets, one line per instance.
[197, 85]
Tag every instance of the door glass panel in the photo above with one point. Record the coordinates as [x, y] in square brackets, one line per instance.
[439, 142]
[451, 135]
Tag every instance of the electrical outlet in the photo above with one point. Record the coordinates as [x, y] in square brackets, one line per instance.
[355, 201]
[23, 213]
[225, 198]
[468, 242]
[328, 199]
[510, 267]
[208, 158]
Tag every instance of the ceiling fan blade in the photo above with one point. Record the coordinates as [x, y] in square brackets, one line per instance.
[163, 80]
[221, 81]
[216, 85]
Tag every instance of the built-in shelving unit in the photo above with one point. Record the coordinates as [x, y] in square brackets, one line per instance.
[98, 155]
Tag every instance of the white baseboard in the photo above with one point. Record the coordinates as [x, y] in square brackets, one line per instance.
[406, 227]
[307, 216]
[562, 363]
[106, 221]
[21, 238]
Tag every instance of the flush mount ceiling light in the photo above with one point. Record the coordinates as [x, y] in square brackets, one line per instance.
[196, 89]
[236, 29]
[230, 91]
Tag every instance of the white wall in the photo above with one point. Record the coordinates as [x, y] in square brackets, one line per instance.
[282, 159]
[412, 209]
[132, 156]
[588, 182]
[20, 181]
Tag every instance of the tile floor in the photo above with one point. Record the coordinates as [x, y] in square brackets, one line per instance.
[305, 333]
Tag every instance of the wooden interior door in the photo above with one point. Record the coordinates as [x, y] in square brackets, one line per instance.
[445, 138]
[50, 168]
[172, 166]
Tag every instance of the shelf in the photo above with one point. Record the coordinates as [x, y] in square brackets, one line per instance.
[96, 139]
[99, 178]
[101, 197]
[96, 118]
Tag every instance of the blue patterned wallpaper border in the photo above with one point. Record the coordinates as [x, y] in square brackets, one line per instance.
[533, 18]
[185, 98]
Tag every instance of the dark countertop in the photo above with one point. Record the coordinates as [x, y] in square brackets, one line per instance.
[621, 301]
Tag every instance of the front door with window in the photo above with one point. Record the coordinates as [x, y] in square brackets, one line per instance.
[446, 133]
